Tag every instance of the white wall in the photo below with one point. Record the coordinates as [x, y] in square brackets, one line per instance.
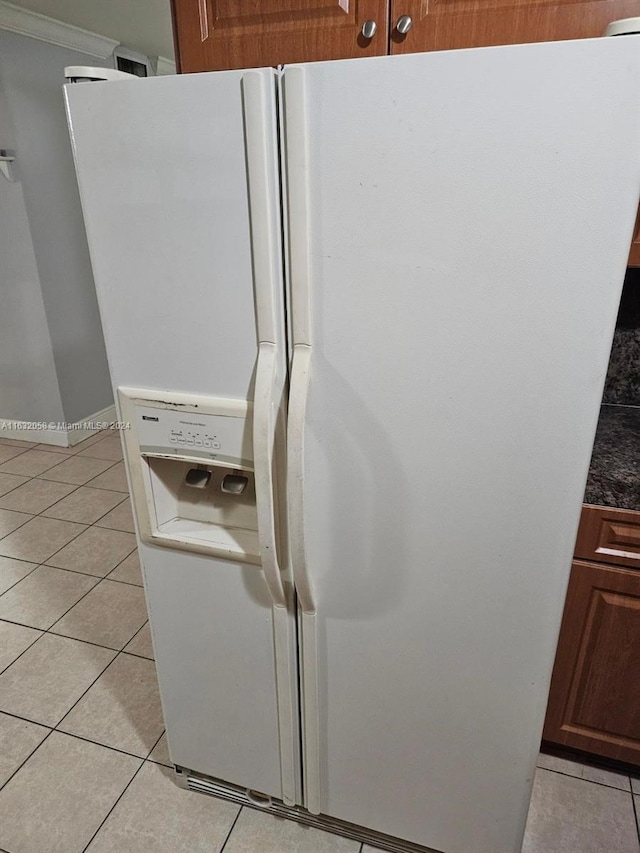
[28, 381]
[46, 253]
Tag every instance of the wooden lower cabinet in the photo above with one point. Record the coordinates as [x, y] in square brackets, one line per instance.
[594, 701]
[609, 535]
[634, 254]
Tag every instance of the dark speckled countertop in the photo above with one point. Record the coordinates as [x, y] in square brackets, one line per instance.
[614, 474]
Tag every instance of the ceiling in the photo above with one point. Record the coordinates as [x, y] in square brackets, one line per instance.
[142, 25]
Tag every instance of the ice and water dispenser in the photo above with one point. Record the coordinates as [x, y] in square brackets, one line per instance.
[191, 465]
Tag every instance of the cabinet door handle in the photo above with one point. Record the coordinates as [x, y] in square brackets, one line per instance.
[369, 29]
[404, 24]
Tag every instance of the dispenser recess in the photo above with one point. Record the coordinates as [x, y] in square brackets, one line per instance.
[190, 464]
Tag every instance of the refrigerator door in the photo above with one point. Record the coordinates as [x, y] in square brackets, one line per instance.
[179, 180]
[459, 227]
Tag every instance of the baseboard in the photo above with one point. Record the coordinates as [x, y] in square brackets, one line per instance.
[58, 434]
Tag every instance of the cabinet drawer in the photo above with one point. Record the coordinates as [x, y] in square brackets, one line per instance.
[609, 536]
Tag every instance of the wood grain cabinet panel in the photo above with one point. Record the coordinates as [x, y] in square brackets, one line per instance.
[221, 34]
[594, 701]
[447, 24]
[634, 254]
[609, 535]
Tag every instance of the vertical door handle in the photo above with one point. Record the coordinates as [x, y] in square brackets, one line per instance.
[295, 469]
[369, 29]
[404, 24]
[264, 421]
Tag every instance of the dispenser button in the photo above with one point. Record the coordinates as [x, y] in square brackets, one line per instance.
[207, 442]
[234, 484]
[173, 439]
[190, 441]
[215, 445]
[198, 442]
[181, 440]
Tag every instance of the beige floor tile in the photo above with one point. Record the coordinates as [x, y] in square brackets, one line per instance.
[560, 765]
[54, 448]
[59, 798]
[108, 448]
[122, 709]
[141, 644]
[39, 539]
[160, 752]
[114, 478]
[18, 739]
[569, 815]
[16, 442]
[50, 677]
[128, 571]
[14, 639]
[12, 571]
[109, 615]
[84, 505]
[8, 482]
[35, 496]
[44, 596]
[92, 439]
[119, 518]
[259, 831]
[10, 451]
[77, 470]
[95, 552]
[155, 816]
[29, 463]
[10, 520]
[584, 771]
[606, 777]
[635, 786]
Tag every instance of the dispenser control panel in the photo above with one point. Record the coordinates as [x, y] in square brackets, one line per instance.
[223, 438]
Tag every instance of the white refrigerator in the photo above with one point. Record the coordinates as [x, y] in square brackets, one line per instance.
[358, 317]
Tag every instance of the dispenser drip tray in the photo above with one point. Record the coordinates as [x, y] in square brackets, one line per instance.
[204, 507]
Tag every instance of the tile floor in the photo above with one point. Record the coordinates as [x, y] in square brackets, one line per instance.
[83, 759]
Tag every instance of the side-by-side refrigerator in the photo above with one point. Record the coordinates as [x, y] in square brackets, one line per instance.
[358, 317]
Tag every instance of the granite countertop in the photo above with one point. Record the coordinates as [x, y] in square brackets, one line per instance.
[614, 473]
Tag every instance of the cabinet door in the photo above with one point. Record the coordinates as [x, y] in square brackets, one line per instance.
[445, 24]
[609, 535]
[594, 702]
[634, 254]
[218, 34]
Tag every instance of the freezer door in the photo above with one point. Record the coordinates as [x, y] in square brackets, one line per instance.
[459, 227]
[179, 182]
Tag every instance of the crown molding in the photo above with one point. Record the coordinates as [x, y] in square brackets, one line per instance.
[15, 19]
[165, 66]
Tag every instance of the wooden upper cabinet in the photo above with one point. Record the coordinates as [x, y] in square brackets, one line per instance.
[212, 35]
[446, 24]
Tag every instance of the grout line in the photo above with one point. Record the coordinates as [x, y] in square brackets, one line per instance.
[36, 566]
[44, 631]
[154, 746]
[96, 742]
[21, 765]
[106, 817]
[590, 781]
[24, 650]
[634, 806]
[233, 826]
